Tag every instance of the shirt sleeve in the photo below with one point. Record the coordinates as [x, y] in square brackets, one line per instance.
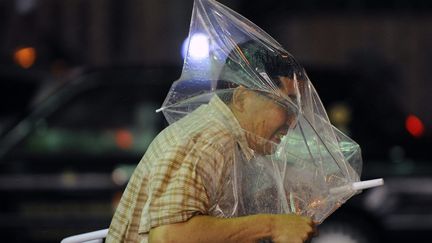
[178, 184]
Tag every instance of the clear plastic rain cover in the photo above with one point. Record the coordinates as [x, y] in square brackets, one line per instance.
[297, 163]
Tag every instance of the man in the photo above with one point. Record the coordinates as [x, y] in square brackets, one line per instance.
[177, 192]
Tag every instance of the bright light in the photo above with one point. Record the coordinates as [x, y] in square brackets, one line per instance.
[414, 126]
[199, 47]
[25, 57]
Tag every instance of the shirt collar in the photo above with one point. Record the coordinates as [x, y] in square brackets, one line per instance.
[225, 115]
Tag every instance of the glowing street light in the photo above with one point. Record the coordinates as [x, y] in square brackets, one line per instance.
[197, 46]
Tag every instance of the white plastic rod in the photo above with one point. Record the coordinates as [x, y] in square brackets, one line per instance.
[356, 186]
[95, 236]
[367, 184]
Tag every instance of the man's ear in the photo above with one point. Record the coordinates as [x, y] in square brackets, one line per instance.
[238, 98]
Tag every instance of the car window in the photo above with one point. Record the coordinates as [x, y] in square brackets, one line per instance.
[103, 120]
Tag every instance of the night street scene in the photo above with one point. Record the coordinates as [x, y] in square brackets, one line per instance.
[86, 86]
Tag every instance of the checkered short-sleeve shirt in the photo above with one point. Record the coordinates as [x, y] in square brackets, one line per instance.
[180, 174]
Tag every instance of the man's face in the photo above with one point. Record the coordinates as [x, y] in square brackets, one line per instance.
[268, 119]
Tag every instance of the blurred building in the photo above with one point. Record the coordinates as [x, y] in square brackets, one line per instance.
[362, 34]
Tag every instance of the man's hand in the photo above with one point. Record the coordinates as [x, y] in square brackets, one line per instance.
[247, 229]
[291, 228]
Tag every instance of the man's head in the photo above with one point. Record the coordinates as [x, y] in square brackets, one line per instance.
[264, 106]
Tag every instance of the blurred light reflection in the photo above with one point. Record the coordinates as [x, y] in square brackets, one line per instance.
[25, 57]
[414, 126]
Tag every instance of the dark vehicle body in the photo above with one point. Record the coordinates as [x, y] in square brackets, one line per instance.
[63, 167]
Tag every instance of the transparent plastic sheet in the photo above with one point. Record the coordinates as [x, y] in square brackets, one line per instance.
[302, 166]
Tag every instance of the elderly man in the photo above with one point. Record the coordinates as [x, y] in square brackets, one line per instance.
[175, 192]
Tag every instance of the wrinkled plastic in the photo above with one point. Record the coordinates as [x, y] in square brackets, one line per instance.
[304, 171]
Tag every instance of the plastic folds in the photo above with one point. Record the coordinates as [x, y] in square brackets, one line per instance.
[296, 161]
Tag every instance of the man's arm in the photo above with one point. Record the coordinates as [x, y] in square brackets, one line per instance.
[247, 229]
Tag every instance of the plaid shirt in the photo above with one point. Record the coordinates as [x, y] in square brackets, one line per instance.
[181, 174]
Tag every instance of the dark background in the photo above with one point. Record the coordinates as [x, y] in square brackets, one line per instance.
[369, 61]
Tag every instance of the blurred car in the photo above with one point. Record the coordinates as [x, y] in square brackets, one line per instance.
[63, 167]
[23, 84]
[401, 210]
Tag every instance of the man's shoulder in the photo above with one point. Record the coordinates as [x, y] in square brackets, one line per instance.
[203, 130]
